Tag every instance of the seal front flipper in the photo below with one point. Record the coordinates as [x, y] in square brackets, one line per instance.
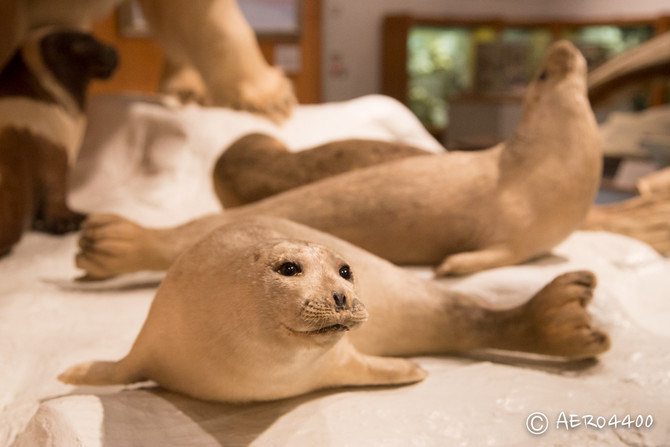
[350, 367]
[101, 373]
[475, 261]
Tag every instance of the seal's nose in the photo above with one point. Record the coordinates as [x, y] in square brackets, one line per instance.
[340, 301]
[107, 62]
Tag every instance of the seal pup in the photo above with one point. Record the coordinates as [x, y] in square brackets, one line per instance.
[464, 211]
[257, 166]
[42, 93]
[261, 309]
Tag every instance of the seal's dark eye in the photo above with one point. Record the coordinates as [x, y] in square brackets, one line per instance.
[543, 76]
[289, 269]
[345, 272]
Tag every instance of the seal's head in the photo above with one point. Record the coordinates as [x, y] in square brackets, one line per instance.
[312, 291]
[72, 54]
[561, 78]
[66, 61]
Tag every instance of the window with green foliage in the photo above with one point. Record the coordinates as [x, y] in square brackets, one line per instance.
[602, 42]
[535, 41]
[440, 66]
[444, 62]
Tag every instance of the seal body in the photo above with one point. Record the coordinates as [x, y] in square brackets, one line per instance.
[258, 166]
[461, 211]
[467, 211]
[42, 123]
[265, 308]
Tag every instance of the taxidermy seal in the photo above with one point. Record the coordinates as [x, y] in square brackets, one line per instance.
[42, 91]
[211, 52]
[464, 211]
[261, 309]
[257, 166]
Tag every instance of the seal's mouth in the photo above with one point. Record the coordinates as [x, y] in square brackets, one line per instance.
[323, 330]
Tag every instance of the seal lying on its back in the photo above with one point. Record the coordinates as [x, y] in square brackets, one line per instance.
[465, 211]
[257, 166]
[258, 310]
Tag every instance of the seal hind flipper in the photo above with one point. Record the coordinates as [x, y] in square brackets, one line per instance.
[561, 325]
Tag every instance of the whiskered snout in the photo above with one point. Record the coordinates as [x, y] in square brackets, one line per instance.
[338, 309]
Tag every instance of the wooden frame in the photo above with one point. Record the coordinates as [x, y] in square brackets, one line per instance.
[142, 58]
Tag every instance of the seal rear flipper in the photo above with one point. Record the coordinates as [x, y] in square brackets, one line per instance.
[558, 321]
[100, 373]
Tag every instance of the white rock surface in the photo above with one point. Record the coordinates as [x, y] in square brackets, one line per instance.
[48, 323]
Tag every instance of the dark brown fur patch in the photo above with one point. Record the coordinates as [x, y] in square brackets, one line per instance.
[257, 166]
[33, 187]
[16, 79]
[74, 59]
[16, 188]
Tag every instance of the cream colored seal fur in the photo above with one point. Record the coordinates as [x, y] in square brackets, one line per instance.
[261, 308]
[465, 211]
[257, 166]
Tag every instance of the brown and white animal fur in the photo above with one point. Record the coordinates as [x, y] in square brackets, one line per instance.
[257, 166]
[42, 124]
[228, 324]
[464, 211]
[213, 53]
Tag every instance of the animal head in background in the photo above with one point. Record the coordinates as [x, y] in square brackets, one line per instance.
[69, 58]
